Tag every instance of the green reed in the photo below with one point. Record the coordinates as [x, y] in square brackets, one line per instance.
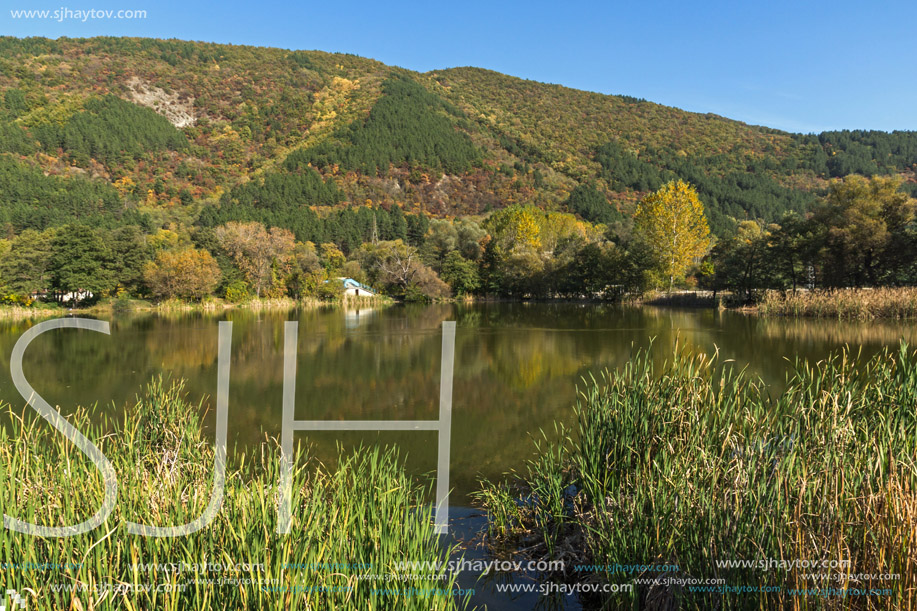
[367, 513]
[693, 464]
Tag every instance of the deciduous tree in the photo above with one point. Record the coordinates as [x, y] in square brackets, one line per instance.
[255, 249]
[188, 274]
[460, 273]
[515, 227]
[856, 224]
[672, 222]
[398, 268]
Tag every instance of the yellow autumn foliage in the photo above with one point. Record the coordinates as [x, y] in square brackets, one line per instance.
[673, 223]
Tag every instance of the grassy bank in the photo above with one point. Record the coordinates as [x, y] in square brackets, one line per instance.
[11, 312]
[367, 512]
[859, 304]
[126, 306]
[681, 465]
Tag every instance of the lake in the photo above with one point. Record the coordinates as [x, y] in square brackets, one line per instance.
[517, 367]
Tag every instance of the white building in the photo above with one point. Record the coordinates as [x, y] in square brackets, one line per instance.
[356, 289]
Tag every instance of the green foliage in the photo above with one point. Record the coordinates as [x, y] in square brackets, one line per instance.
[237, 291]
[14, 139]
[10, 46]
[301, 60]
[860, 234]
[408, 125]
[329, 290]
[14, 103]
[278, 191]
[277, 200]
[31, 200]
[75, 258]
[26, 267]
[306, 272]
[867, 152]
[605, 271]
[592, 205]
[861, 228]
[729, 195]
[78, 262]
[110, 131]
[625, 170]
[738, 195]
[347, 227]
[769, 485]
[416, 229]
[460, 273]
[743, 263]
[469, 236]
[129, 253]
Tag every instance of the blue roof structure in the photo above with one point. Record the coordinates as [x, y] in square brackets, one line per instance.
[350, 283]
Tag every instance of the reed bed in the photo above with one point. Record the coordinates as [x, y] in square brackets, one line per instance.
[686, 299]
[258, 304]
[261, 304]
[694, 465]
[356, 521]
[859, 304]
[21, 312]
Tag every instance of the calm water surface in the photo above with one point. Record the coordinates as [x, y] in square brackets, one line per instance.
[516, 368]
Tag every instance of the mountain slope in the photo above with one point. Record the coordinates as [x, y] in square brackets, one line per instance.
[179, 131]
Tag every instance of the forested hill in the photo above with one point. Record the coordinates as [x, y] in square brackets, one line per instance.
[118, 131]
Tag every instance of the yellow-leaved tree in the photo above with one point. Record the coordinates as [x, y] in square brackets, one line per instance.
[515, 227]
[672, 222]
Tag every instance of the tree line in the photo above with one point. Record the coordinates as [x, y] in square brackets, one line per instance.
[519, 252]
[861, 233]
[32, 200]
[346, 227]
[728, 192]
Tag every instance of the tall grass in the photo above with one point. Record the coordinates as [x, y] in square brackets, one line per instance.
[691, 464]
[367, 512]
[682, 299]
[16, 312]
[860, 304]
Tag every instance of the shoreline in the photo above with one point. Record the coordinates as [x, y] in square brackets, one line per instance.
[861, 304]
[138, 306]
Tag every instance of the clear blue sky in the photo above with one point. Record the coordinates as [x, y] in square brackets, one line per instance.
[799, 66]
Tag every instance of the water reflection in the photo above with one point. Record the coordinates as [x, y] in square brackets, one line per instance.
[355, 317]
[517, 366]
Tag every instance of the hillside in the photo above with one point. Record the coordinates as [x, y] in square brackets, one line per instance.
[149, 132]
